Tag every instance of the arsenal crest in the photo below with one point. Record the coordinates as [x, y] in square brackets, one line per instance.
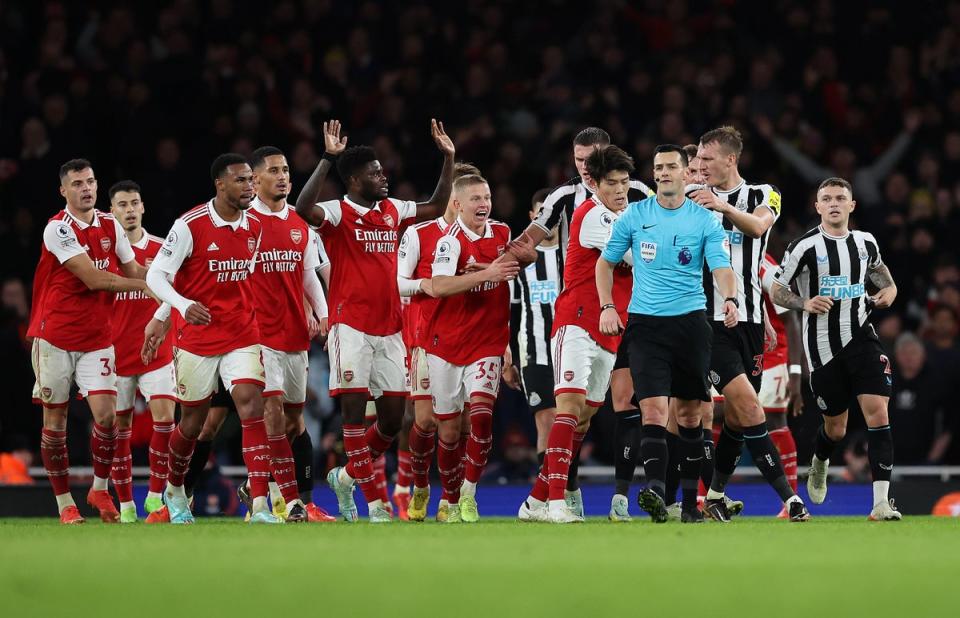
[251, 244]
[425, 383]
[568, 376]
[296, 236]
[105, 243]
[388, 220]
[348, 376]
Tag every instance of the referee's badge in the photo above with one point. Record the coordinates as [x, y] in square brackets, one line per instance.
[648, 251]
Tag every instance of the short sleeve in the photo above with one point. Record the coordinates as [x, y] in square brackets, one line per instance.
[771, 199]
[595, 228]
[406, 209]
[332, 212]
[409, 253]
[767, 271]
[177, 247]
[446, 256]
[790, 267]
[621, 238]
[322, 253]
[873, 251]
[124, 250]
[552, 209]
[716, 244]
[311, 260]
[60, 240]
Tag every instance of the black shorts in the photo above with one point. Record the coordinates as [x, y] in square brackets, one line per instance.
[538, 386]
[861, 368]
[222, 398]
[669, 355]
[623, 356]
[736, 350]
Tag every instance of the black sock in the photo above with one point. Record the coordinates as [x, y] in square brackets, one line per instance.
[653, 451]
[880, 452]
[690, 449]
[673, 468]
[625, 449]
[540, 457]
[726, 457]
[573, 474]
[823, 447]
[198, 461]
[706, 466]
[302, 447]
[767, 459]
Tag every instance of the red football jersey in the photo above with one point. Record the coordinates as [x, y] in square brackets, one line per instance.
[212, 261]
[779, 356]
[416, 257]
[362, 243]
[467, 327]
[285, 252]
[65, 312]
[579, 303]
[131, 312]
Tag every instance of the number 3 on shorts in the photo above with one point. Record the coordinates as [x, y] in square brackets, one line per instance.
[107, 370]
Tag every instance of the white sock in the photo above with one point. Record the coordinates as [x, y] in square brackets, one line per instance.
[571, 494]
[534, 503]
[275, 495]
[260, 504]
[880, 490]
[443, 502]
[376, 504]
[100, 484]
[557, 504]
[65, 500]
[176, 491]
[714, 495]
[344, 478]
[153, 494]
[468, 489]
[400, 489]
[128, 505]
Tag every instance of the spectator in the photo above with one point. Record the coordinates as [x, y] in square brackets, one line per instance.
[917, 405]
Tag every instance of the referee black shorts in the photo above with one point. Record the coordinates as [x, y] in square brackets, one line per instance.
[860, 368]
[669, 355]
[623, 356]
[538, 386]
[736, 350]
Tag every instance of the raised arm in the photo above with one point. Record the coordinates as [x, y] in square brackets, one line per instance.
[310, 194]
[437, 204]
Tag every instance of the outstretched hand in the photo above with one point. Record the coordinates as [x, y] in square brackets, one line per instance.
[440, 137]
[332, 142]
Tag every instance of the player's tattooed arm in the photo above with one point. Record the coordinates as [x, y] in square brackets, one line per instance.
[785, 297]
[310, 194]
[880, 276]
[437, 204]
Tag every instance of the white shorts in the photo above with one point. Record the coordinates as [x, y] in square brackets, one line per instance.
[161, 383]
[286, 375]
[197, 375]
[419, 375]
[361, 363]
[454, 385]
[371, 409]
[580, 365]
[773, 389]
[55, 370]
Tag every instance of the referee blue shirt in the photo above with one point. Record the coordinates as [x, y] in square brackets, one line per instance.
[669, 247]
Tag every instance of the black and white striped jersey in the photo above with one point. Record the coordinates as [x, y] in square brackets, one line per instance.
[559, 205]
[538, 286]
[746, 253]
[838, 267]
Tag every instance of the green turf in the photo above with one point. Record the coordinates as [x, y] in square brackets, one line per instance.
[752, 567]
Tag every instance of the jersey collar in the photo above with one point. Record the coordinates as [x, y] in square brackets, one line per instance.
[261, 208]
[220, 222]
[831, 236]
[729, 191]
[487, 230]
[144, 240]
[80, 224]
[360, 209]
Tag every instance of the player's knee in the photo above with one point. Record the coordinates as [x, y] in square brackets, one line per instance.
[835, 429]
[448, 430]
[55, 419]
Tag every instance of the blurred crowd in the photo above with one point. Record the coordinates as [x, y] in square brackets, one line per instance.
[868, 91]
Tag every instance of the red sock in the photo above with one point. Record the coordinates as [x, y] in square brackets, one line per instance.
[559, 453]
[785, 443]
[380, 478]
[448, 462]
[121, 472]
[481, 437]
[376, 441]
[281, 465]
[541, 488]
[359, 465]
[103, 443]
[462, 453]
[53, 451]
[404, 468]
[181, 450]
[159, 454]
[422, 444]
[256, 455]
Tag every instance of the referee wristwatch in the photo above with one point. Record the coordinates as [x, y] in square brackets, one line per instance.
[732, 299]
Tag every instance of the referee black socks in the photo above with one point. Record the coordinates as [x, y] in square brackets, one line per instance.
[767, 459]
[653, 451]
[880, 452]
[625, 449]
[690, 456]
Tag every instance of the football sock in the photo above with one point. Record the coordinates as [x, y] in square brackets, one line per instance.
[573, 475]
[767, 459]
[56, 461]
[359, 464]
[159, 455]
[481, 437]
[282, 466]
[302, 448]
[198, 461]
[404, 474]
[121, 472]
[256, 455]
[422, 445]
[783, 440]
[726, 458]
[625, 449]
[690, 449]
[880, 452]
[103, 443]
[559, 453]
[448, 463]
[653, 451]
[823, 447]
[709, 453]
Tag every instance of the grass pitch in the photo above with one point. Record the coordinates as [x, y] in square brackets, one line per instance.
[499, 567]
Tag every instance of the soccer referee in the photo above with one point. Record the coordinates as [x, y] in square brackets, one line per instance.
[668, 337]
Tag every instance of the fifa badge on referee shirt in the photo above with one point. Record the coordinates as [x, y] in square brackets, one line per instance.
[648, 251]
